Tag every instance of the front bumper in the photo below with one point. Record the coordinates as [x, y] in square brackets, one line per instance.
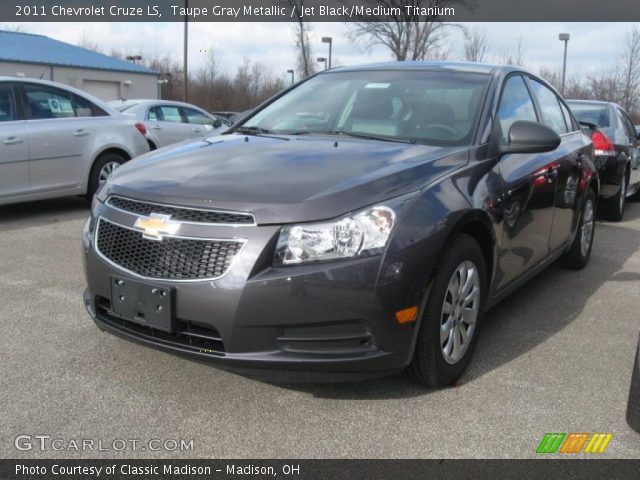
[322, 322]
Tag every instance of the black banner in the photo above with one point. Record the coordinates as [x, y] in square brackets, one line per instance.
[317, 469]
[317, 10]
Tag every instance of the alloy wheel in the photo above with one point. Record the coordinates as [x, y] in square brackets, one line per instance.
[459, 312]
[587, 227]
[106, 170]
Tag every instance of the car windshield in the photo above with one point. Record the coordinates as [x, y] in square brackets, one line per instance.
[435, 108]
[591, 113]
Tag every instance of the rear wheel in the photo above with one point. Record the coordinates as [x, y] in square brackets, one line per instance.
[613, 208]
[449, 326]
[578, 255]
[101, 170]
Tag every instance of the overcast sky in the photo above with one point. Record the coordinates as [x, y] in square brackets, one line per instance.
[593, 46]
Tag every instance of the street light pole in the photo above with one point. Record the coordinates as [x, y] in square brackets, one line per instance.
[328, 40]
[564, 37]
[292, 73]
[184, 53]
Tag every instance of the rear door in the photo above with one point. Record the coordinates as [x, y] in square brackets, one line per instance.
[529, 184]
[14, 145]
[568, 164]
[168, 124]
[60, 141]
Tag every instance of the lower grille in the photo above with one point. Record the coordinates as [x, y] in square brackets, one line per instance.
[172, 258]
[188, 336]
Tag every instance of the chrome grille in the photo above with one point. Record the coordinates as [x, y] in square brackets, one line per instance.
[183, 214]
[173, 258]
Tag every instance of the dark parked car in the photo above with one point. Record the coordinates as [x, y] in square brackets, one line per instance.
[617, 152]
[633, 404]
[356, 225]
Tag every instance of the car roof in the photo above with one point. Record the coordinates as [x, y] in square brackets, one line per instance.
[593, 102]
[150, 101]
[460, 67]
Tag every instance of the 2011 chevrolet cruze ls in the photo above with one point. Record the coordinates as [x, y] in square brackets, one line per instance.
[356, 225]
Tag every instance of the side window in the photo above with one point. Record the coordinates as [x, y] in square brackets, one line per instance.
[567, 118]
[48, 102]
[626, 123]
[7, 104]
[154, 114]
[197, 117]
[515, 104]
[84, 108]
[552, 115]
[170, 113]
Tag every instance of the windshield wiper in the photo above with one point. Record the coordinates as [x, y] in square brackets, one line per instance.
[368, 136]
[252, 130]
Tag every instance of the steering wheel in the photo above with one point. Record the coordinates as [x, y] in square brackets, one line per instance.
[453, 133]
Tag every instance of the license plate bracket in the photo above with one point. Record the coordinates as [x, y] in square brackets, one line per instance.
[143, 303]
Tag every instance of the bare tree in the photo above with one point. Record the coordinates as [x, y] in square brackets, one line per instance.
[630, 66]
[408, 35]
[475, 44]
[513, 54]
[85, 41]
[301, 32]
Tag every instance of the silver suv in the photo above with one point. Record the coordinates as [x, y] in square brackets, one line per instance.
[56, 140]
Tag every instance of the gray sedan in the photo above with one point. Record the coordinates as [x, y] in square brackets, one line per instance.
[56, 141]
[168, 122]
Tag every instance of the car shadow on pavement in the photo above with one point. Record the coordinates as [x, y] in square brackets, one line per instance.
[534, 313]
[22, 215]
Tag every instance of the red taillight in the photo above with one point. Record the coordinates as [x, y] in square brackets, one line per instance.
[141, 128]
[601, 144]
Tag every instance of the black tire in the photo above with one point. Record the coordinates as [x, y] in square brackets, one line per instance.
[633, 404]
[613, 208]
[428, 366]
[99, 164]
[576, 257]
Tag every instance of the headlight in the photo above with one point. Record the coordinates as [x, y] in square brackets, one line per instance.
[87, 234]
[364, 233]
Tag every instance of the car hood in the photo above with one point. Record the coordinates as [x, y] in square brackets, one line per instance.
[283, 179]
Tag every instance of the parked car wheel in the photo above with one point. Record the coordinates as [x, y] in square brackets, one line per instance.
[102, 168]
[613, 208]
[449, 325]
[633, 404]
[578, 255]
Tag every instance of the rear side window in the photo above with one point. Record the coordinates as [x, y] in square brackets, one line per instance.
[549, 104]
[84, 108]
[7, 104]
[626, 123]
[567, 118]
[591, 113]
[47, 102]
[515, 104]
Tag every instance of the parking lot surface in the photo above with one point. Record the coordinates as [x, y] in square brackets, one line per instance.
[556, 356]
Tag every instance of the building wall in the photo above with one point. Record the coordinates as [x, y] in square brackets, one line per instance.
[102, 83]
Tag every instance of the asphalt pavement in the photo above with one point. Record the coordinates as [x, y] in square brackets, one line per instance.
[556, 356]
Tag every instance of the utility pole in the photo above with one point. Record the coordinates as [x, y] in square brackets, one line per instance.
[184, 53]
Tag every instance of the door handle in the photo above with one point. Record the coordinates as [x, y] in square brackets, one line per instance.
[196, 130]
[156, 127]
[551, 172]
[80, 133]
[13, 141]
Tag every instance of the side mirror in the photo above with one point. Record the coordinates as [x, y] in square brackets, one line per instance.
[530, 137]
[217, 123]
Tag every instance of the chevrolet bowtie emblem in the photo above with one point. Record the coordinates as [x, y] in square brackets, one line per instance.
[156, 225]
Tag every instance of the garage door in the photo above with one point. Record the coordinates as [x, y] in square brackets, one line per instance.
[103, 90]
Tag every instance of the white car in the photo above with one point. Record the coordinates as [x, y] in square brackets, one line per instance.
[57, 141]
[168, 122]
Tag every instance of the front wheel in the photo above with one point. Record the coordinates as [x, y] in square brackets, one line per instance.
[102, 168]
[578, 255]
[449, 325]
